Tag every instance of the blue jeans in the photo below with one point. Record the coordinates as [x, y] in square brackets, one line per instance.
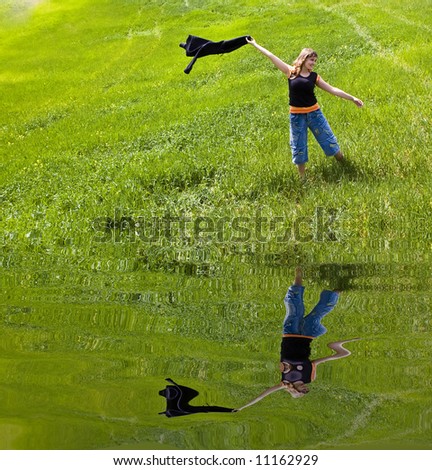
[317, 123]
[295, 323]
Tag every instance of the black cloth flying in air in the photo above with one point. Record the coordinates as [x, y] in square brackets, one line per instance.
[178, 398]
[296, 351]
[198, 47]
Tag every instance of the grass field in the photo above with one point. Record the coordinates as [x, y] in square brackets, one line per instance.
[120, 173]
[98, 116]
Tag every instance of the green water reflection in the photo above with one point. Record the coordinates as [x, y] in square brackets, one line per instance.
[85, 352]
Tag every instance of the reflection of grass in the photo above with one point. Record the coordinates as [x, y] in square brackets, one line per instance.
[95, 348]
[99, 125]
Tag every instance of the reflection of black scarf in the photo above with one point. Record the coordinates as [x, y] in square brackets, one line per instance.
[178, 398]
[198, 47]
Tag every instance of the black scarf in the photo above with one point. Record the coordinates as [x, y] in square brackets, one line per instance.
[198, 47]
[178, 398]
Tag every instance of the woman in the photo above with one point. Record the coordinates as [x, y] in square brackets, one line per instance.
[304, 109]
[298, 333]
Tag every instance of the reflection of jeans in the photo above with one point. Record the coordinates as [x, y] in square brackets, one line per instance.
[317, 123]
[310, 325]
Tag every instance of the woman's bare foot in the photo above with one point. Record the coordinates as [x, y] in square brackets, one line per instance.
[339, 156]
[302, 170]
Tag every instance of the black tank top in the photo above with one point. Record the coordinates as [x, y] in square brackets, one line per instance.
[301, 90]
[296, 351]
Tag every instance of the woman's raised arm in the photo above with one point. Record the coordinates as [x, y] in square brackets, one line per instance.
[263, 395]
[280, 64]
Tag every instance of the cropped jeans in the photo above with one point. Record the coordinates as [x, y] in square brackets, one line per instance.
[295, 323]
[317, 123]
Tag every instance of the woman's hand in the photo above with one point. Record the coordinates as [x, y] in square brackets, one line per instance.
[250, 40]
[357, 102]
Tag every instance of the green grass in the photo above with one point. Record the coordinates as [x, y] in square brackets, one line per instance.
[98, 114]
[101, 131]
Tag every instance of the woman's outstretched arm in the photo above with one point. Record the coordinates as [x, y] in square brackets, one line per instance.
[338, 348]
[338, 92]
[280, 64]
[263, 395]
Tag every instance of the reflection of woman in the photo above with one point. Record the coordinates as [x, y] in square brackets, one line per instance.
[298, 333]
[304, 109]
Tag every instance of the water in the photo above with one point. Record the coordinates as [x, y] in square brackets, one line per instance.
[85, 351]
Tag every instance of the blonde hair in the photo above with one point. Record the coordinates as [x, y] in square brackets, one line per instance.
[306, 53]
